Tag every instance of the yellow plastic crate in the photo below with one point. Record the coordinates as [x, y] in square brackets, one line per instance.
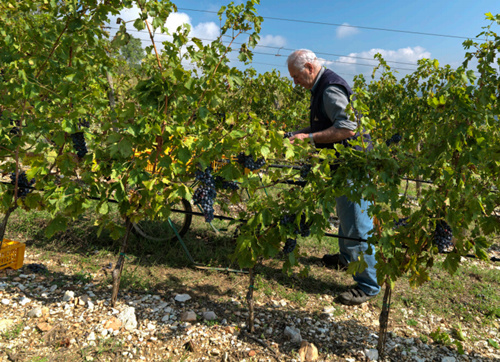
[12, 254]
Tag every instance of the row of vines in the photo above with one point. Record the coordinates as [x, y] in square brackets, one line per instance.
[79, 128]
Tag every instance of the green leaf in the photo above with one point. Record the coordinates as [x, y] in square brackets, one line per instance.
[184, 155]
[103, 208]
[139, 24]
[58, 223]
[451, 262]
[493, 343]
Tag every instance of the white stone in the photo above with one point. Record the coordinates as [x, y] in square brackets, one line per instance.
[448, 359]
[188, 316]
[68, 295]
[182, 298]
[35, 312]
[329, 309]
[210, 316]
[91, 337]
[24, 301]
[53, 288]
[5, 301]
[293, 334]
[371, 354]
[128, 319]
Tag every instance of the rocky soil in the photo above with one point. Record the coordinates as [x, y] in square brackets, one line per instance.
[57, 315]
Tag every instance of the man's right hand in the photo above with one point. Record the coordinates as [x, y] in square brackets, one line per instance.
[300, 136]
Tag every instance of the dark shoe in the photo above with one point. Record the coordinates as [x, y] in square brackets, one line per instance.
[354, 296]
[334, 262]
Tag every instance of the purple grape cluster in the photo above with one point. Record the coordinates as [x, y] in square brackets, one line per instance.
[83, 123]
[205, 194]
[24, 187]
[395, 139]
[302, 229]
[289, 246]
[15, 127]
[401, 222]
[221, 183]
[304, 170]
[249, 162]
[443, 236]
[79, 144]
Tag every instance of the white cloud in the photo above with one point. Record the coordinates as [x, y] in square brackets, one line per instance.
[406, 55]
[346, 30]
[205, 31]
[175, 20]
[272, 40]
[364, 62]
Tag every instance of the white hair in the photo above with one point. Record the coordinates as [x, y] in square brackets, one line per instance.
[300, 57]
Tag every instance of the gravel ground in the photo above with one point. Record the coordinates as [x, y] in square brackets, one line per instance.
[57, 316]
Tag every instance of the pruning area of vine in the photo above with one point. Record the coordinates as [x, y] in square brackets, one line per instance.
[187, 135]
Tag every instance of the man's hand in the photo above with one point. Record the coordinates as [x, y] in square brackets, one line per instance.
[299, 136]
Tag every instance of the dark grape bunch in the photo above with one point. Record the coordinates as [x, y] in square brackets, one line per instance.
[395, 139]
[401, 222]
[205, 194]
[289, 245]
[79, 144]
[83, 123]
[249, 162]
[221, 183]
[23, 185]
[15, 126]
[302, 229]
[304, 170]
[442, 236]
[37, 268]
[288, 134]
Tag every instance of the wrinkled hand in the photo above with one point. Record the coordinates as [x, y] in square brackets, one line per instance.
[300, 136]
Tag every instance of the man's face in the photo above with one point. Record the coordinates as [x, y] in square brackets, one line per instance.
[304, 77]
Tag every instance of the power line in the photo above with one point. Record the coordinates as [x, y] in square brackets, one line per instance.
[345, 25]
[318, 53]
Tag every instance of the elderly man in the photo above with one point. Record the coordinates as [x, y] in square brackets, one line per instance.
[329, 124]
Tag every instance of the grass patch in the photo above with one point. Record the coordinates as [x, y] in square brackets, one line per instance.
[13, 332]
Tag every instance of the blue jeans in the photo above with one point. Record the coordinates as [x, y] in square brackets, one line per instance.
[356, 223]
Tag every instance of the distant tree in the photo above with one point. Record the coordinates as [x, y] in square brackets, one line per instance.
[132, 52]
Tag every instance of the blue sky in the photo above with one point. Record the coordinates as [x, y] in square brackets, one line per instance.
[348, 49]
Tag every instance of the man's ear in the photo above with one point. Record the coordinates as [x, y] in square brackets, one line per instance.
[309, 67]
